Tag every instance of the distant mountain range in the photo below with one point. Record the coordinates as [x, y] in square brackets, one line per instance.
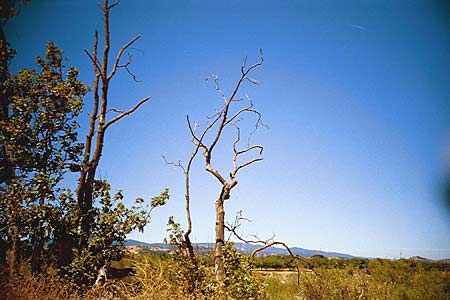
[245, 248]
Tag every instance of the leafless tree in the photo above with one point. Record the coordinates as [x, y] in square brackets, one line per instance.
[186, 245]
[207, 138]
[99, 122]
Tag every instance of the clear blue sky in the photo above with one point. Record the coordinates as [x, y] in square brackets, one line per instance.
[356, 94]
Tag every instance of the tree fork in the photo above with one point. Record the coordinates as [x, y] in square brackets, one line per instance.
[98, 121]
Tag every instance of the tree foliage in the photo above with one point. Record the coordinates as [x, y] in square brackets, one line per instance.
[112, 222]
[40, 139]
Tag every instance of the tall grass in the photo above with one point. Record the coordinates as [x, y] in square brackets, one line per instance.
[159, 278]
[386, 281]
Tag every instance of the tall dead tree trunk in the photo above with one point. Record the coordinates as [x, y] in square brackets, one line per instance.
[186, 246]
[217, 124]
[187, 239]
[99, 124]
[220, 235]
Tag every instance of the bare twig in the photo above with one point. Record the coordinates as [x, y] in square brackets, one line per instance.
[119, 54]
[175, 164]
[114, 110]
[93, 60]
[215, 78]
[114, 4]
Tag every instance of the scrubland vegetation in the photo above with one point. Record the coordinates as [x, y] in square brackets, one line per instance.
[172, 277]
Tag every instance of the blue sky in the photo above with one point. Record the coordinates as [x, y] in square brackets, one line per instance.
[356, 94]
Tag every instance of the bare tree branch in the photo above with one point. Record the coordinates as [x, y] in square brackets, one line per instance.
[245, 109]
[253, 81]
[119, 54]
[112, 109]
[93, 60]
[236, 153]
[260, 148]
[126, 113]
[245, 164]
[114, 4]
[244, 64]
[175, 164]
[217, 87]
[101, 7]
[127, 69]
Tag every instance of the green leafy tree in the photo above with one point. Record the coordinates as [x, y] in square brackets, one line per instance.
[41, 138]
[112, 222]
[8, 9]
[240, 281]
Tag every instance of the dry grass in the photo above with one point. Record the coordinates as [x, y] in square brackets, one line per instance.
[340, 284]
[44, 286]
[159, 278]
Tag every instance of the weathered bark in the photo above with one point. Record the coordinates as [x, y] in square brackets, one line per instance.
[98, 124]
[85, 187]
[220, 239]
[220, 229]
[14, 252]
[89, 168]
[187, 240]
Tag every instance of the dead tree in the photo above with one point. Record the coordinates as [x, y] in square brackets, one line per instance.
[207, 139]
[98, 118]
[186, 245]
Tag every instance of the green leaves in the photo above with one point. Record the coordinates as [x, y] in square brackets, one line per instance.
[240, 281]
[176, 235]
[161, 199]
[41, 131]
[40, 135]
[112, 221]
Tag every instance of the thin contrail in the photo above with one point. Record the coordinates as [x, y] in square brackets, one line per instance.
[357, 26]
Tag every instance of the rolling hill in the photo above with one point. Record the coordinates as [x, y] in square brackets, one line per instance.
[245, 248]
